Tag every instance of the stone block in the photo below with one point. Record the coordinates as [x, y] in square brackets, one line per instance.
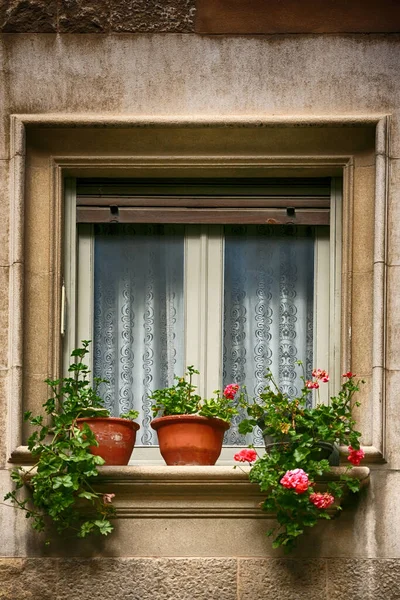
[349, 578]
[38, 221]
[361, 320]
[27, 579]
[282, 578]
[3, 422]
[4, 303]
[153, 16]
[392, 433]
[84, 16]
[5, 209]
[371, 579]
[393, 318]
[385, 582]
[394, 148]
[28, 16]
[363, 214]
[142, 579]
[394, 213]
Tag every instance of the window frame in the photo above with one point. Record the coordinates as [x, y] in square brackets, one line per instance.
[204, 252]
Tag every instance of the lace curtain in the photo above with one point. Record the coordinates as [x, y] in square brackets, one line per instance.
[268, 312]
[139, 312]
[138, 315]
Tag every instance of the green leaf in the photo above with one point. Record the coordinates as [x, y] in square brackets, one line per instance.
[87, 495]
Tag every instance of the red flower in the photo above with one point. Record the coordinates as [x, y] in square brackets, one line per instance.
[348, 374]
[322, 500]
[231, 390]
[355, 456]
[311, 385]
[321, 374]
[296, 480]
[247, 455]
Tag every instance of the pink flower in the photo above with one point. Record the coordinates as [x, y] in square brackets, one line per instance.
[246, 455]
[107, 498]
[348, 374]
[311, 385]
[231, 390]
[296, 480]
[322, 500]
[355, 456]
[321, 374]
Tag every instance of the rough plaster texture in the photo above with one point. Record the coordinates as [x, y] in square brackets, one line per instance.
[201, 76]
[190, 75]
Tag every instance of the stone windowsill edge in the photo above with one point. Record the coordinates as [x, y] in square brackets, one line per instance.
[21, 455]
[143, 492]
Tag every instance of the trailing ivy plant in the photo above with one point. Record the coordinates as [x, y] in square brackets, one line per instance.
[60, 479]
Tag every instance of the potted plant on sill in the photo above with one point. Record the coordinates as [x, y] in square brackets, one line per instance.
[191, 430]
[77, 438]
[287, 472]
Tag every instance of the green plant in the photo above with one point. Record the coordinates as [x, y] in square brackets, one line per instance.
[287, 473]
[60, 480]
[180, 399]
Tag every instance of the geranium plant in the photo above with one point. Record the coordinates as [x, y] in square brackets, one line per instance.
[60, 479]
[287, 472]
[181, 399]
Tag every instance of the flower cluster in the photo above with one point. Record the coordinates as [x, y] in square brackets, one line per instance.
[355, 456]
[231, 390]
[300, 436]
[296, 480]
[246, 455]
[319, 375]
[322, 500]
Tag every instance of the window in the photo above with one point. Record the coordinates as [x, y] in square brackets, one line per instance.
[232, 276]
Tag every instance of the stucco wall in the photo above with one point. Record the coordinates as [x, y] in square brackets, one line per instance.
[187, 77]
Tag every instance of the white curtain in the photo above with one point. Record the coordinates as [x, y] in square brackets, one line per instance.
[139, 312]
[268, 312]
[138, 315]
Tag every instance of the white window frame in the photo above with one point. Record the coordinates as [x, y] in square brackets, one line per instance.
[204, 263]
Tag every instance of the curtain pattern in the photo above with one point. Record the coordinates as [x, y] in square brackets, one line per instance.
[138, 315]
[139, 312]
[268, 310]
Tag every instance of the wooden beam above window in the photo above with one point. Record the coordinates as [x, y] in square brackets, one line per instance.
[265, 216]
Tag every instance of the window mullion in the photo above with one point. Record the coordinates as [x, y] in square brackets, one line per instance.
[335, 269]
[195, 261]
[85, 316]
[214, 308]
[70, 272]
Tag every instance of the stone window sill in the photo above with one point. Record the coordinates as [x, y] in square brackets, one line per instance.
[213, 491]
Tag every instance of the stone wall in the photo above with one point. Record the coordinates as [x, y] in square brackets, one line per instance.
[81, 79]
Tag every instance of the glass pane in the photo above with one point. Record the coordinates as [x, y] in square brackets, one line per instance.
[138, 315]
[268, 309]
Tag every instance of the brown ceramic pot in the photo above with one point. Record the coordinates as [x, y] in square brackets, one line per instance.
[190, 439]
[116, 438]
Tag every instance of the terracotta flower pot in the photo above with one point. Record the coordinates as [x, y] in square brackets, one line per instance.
[190, 439]
[116, 438]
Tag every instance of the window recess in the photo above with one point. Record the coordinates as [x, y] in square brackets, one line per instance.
[240, 270]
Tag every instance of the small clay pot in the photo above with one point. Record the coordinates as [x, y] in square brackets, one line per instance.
[116, 438]
[190, 439]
